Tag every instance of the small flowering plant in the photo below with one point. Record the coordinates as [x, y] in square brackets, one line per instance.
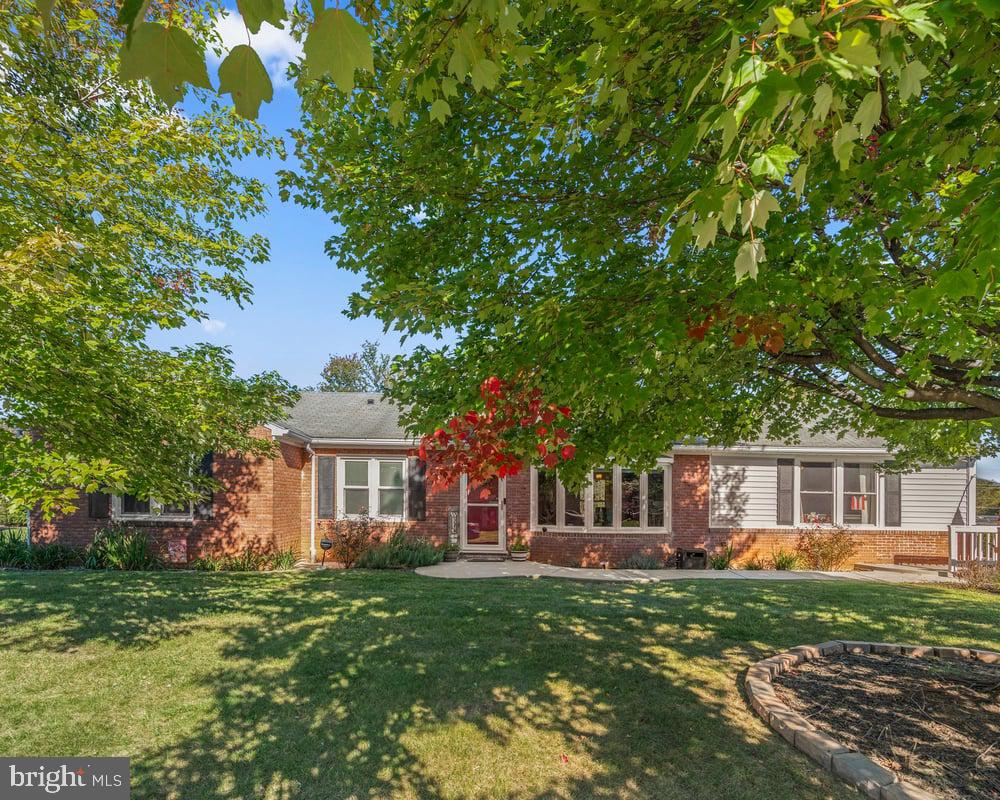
[496, 440]
[519, 546]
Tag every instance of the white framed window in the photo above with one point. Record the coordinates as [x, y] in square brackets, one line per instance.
[373, 485]
[616, 499]
[128, 506]
[835, 491]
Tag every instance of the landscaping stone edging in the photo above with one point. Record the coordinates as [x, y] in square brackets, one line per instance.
[850, 766]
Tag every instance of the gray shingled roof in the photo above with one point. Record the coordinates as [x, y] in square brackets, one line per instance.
[365, 415]
[344, 415]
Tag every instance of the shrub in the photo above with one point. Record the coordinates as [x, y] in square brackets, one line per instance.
[400, 551]
[120, 547]
[723, 560]
[251, 559]
[283, 559]
[209, 563]
[519, 546]
[640, 560]
[352, 538]
[754, 562]
[16, 553]
[826, 548]
[984, 577]
[785, 559]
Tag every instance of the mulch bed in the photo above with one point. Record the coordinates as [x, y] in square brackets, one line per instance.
[934, 721]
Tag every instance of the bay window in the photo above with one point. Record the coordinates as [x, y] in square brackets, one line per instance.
[615, 499]
[375, 486]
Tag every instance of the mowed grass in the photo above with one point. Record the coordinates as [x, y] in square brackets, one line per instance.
[371, 685]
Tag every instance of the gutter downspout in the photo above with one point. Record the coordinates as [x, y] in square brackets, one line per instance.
[312, 503]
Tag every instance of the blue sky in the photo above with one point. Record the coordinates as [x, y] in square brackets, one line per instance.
[296, 319]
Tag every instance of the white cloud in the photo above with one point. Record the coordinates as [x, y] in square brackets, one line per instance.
[275, 46]
[213, 325]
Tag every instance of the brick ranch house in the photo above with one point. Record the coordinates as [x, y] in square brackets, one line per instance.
[340, 453]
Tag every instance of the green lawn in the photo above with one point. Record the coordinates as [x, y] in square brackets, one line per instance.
[330, 685]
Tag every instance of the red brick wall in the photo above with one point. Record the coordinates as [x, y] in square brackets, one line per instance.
[580, 549]
[689, 500]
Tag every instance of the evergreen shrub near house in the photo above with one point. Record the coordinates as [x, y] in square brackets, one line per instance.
[783, 559]
[826, 548]
[722, 560]
[120, 547]
[640, 560]
[16, 553]
[251, 559]
[400, 551]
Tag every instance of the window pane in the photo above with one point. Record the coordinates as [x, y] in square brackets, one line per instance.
[176, 509]
[390, 502]
[573, 512]
[355, 473]
[817, 508]
[390, 473]
[546, 498]
[133, 505]
[488, 492]
[817, 477]
[654, 505]
[859, 509]
[355, 501]
[483, 525]
[631, 505]
[859, 478]
[604, 499]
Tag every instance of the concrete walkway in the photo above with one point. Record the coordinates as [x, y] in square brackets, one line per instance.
[466, 570]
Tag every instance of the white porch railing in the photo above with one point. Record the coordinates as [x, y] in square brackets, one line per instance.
[974, 544]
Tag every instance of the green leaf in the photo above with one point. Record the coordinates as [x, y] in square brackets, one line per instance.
[243, 76]
[337, 45]
[730, 207]
[751, 253]
[910, 78]
[256, 12]
[822, 100]
[484, 75]
[868, 113]
[758, 208]
[396, 110]
[799, 180]
[784, 16]
[45, 9]
[799, 28]
[843, 143]
[166, 57]
[958, 284]
[131, 13]
[855, 47]
[773, 161]
[705, 231]
[440, 110]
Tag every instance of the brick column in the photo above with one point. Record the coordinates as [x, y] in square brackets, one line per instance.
[689, 500]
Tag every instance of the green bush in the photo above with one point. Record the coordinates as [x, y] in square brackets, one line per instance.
[826, 548]
[252, 559]
[283, 559]
[400, 551]
[640, 560]
[723, 560]
[123, 548]
[209, 563]
[785, 559]
[754, 563]
[16, 553]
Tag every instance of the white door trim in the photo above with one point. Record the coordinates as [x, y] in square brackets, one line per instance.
[463, 530]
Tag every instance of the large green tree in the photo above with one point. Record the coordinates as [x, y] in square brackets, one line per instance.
[117, 215]
[367, 371]
[680, 219]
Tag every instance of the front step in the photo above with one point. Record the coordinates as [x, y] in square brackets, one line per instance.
[484, 557]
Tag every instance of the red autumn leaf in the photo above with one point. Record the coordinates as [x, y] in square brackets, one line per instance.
[564, 410]
[774, 343]
[541, 448]
[740, 339]
[551, 460]
[471, 417]
[568, 451]
[564, 758]
[561, 433]
[541, 430]
[548, 417]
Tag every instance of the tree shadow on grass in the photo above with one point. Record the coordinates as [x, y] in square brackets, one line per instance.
[370, 686]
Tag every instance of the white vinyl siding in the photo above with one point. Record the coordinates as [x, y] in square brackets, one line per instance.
[931, 497]
[744, 492]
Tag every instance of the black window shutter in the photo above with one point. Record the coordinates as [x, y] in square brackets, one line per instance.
[205, 507]
[893, 500]
[416, 479]
[786, 496]
[98, 505]
[324, 487]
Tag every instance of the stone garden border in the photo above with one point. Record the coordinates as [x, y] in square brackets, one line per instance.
[850, 766]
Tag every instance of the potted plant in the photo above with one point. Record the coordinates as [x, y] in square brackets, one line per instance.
[451, 551]
[519, 550]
